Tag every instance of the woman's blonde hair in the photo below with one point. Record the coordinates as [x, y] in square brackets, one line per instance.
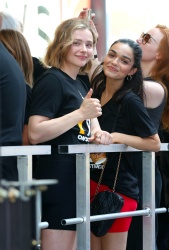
[58, 49]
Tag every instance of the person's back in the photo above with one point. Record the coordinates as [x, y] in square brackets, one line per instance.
[13, 100]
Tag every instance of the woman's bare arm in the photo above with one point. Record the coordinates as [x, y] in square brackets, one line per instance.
[154, 94]
[42, 128]
[151, 143]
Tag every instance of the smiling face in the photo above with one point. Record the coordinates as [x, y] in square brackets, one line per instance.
[119, 61]
[81, 50]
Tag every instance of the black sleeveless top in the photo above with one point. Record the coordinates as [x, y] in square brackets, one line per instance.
[156, 113]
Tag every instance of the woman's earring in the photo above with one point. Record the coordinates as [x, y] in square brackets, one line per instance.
[129, 78]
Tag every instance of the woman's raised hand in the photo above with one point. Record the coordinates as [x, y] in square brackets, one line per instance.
[90, 107]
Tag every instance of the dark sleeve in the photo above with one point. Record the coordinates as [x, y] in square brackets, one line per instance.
[28, 103]
[47, 96]
[39, 69]
[142, 124]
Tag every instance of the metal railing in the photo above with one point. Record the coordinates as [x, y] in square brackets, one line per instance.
[83, 218]
[24, 157]
[25, 188]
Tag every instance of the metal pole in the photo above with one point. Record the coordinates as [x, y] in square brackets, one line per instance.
[144, 212]
[83, 200]
[149, 200]
[24, 164]
[38, 215]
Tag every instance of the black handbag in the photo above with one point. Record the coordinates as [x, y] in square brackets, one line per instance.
[105, 202]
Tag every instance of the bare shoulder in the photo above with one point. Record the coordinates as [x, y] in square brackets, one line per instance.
[154, 94]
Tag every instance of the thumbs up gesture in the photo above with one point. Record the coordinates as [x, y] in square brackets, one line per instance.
[90, 107]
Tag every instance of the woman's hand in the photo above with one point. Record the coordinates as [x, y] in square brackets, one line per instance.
[101, 137]
[90, 107]
[84, 15]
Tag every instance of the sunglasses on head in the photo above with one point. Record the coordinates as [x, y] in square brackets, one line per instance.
[146, 38]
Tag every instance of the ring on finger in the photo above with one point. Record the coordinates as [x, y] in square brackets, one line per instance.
[99, 137]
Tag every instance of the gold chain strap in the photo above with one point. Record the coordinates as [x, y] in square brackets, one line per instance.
[101, 175]
[117, 171]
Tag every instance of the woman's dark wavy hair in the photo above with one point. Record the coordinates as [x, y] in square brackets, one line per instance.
[98, 82]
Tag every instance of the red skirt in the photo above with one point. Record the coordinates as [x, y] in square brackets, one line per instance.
[120, 224]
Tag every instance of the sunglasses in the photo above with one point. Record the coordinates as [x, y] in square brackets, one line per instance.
[146, 38]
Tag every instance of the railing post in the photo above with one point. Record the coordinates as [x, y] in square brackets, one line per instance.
[24, 164]
[83, 200]
[149, 200]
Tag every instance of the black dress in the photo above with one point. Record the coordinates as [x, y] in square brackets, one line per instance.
[54, 95]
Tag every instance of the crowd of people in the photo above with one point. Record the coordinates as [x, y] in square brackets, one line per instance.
[72, 94]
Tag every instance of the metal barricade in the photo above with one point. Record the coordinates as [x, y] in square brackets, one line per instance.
[20, 202]
[24, 157]
[83, 218]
